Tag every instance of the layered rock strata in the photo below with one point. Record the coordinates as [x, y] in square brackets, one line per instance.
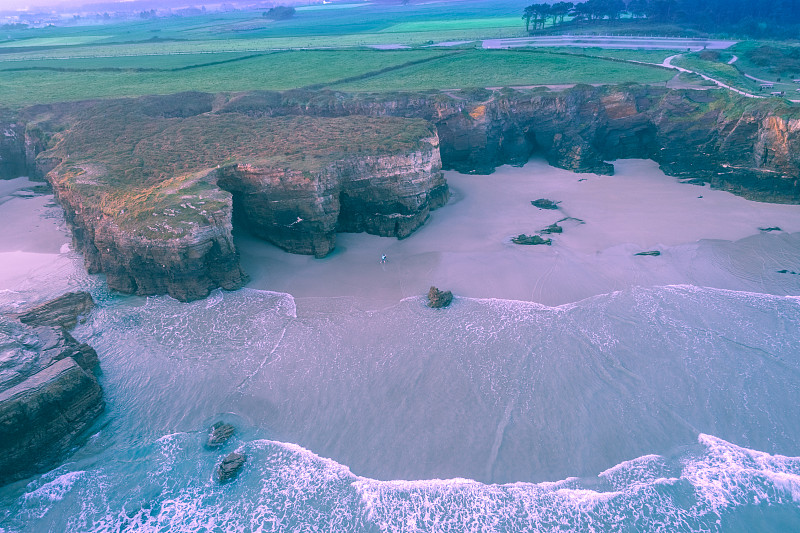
[150, 185]
[150, 190]
[49, 395]
[12, 146]
[748, 146]
[386, 195]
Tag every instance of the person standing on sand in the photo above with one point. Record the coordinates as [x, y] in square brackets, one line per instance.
[383, 258]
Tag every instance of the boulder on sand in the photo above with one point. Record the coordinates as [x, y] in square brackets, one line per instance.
[552, 228]
[530, 240]
[544, 203]
[438, 299]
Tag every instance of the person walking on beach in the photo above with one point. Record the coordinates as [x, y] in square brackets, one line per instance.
[383, 259]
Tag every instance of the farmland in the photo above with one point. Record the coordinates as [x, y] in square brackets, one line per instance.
[322, 46]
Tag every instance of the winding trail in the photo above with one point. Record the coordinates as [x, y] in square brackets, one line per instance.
[757, 79]
[668, 64]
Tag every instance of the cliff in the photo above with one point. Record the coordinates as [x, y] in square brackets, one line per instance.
[744, 145]
[12, 146]
[151, 186]
[49, 395]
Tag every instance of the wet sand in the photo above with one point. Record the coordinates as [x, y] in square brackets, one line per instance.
[35, 254]
[465, 246]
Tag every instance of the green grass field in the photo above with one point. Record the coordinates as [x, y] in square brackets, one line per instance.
[321, 26]
[646, 56]
[716, 69]
[323, 45]
[82, 79]
[273, 71]
[501, 68]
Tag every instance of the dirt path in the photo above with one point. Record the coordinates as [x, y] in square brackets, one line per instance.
[668, 63]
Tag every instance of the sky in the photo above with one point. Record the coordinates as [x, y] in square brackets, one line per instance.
[13, 5]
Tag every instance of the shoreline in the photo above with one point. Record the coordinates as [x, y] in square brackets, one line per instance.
[465, 245]
[706, 237]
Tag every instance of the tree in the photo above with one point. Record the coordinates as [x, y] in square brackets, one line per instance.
[279, 13]
[537, 13]
[559, 10]
[661, 10]
[637, 8]
[540, 15]
[613, 8]
[527, 15]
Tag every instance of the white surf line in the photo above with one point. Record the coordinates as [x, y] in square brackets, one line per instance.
[265, 360]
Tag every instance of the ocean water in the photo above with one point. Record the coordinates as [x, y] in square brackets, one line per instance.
[659, 409]
[649, 394]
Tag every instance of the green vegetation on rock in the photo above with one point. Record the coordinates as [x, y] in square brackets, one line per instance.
[153, 174]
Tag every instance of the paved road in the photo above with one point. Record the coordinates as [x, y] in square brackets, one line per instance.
[589, 41]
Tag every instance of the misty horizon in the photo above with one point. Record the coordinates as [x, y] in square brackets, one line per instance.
[127, 5]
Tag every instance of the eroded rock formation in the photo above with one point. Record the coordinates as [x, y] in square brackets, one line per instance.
[12, 146]
[151, 185]
[49, 395]
[748, 146]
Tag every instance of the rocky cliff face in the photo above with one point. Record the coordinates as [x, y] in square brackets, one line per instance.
[153, 208]
[49, 395]
[186, 260]
[12, 146]
[747, 146]
[151, 192]
[389, 195]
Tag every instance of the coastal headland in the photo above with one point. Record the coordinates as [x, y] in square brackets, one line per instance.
[152, 185]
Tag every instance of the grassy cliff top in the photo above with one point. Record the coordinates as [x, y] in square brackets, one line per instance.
[138, 167]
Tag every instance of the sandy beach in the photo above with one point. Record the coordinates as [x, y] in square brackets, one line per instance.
[706, 237]
[37, 262]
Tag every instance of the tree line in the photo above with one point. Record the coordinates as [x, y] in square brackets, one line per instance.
[746, 15]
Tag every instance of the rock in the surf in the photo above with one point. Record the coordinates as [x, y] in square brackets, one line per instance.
[229, 468]
[219, 435]
[63, 311]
